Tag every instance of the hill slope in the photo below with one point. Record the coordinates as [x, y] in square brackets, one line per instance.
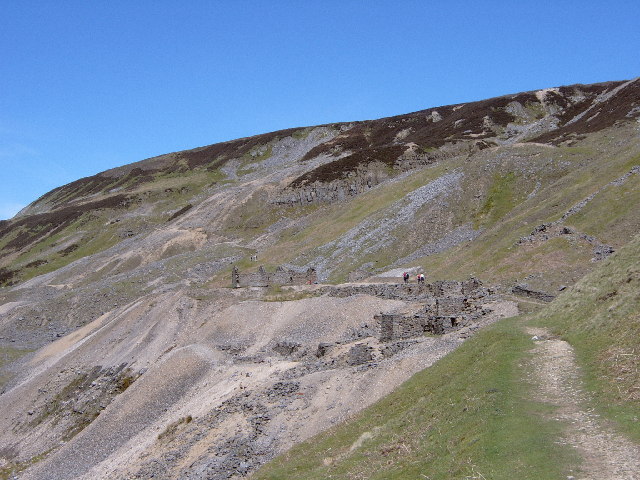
[504, 150]
[125, 353]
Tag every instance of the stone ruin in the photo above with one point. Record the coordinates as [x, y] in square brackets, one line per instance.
[453, 306]
[440, 316]
[281, 276]
[446, 306]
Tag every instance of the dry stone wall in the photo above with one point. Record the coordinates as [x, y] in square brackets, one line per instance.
[281, 276]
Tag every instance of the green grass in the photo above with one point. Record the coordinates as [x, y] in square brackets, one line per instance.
[467, 415]
[600, 318]
[277, 293]
[612, 216]
[500, 199]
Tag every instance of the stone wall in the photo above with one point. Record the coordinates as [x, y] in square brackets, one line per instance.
[523, 290]
[471, 288]
[281, 276]
[439, 317]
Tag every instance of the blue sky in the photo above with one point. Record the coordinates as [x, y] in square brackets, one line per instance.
[86, 86]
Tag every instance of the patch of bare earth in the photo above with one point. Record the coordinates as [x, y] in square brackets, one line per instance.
[606, 455]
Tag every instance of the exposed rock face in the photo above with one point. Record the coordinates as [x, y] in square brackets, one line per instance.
[337, 190]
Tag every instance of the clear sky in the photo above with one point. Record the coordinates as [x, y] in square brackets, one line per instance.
[87, 85]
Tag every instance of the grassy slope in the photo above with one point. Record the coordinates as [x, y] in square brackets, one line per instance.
[612, 216]
[465, 416]
[469, 415]
[600, 317]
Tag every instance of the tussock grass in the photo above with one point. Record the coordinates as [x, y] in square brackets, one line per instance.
[468, 415]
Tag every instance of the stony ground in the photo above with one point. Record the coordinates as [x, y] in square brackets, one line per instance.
[212, 392]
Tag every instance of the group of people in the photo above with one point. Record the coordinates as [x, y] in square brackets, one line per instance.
[419, 277]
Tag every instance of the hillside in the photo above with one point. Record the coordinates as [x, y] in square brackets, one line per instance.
[125, 353]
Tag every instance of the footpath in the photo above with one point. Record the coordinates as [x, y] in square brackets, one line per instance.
[606, 455]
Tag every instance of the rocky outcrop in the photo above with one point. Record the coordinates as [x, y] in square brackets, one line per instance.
[355, 183]
[318, 187]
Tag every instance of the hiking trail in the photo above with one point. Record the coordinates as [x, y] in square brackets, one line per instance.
[606, 454]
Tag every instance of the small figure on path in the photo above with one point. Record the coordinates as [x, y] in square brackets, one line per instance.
[405, 276]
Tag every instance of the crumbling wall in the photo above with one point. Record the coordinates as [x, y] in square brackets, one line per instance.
[393, 326]
[281, 276]
[471, 288]
[440, 317]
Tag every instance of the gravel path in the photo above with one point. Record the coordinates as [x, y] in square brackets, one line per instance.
[606, 454]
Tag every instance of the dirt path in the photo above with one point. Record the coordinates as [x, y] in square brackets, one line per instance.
[606, 454]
